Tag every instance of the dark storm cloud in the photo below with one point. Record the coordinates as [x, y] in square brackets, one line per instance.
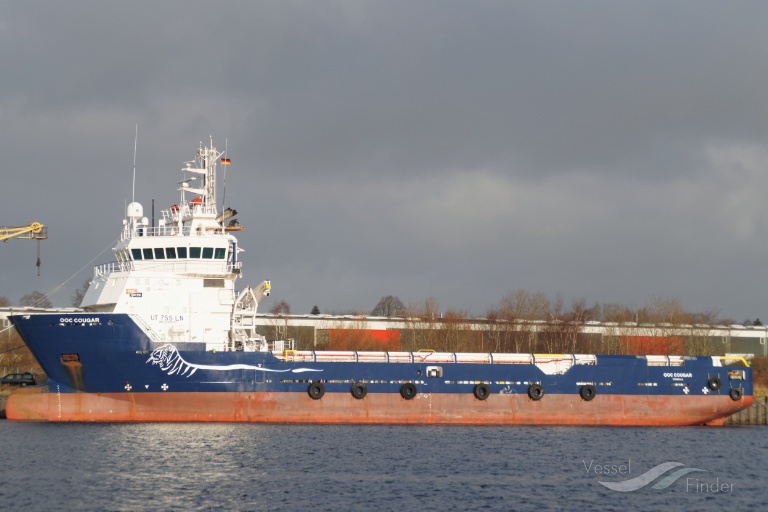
[543, 92]
[602, 150]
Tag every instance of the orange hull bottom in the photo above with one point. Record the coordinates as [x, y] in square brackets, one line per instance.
[39, 404]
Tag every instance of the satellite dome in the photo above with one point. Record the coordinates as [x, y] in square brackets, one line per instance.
[135, 211]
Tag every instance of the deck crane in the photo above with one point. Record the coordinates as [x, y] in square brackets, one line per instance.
[34, 231]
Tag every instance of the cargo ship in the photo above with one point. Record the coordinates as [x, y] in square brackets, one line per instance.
[164, 335]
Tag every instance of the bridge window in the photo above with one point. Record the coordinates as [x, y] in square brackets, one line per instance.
[207, 253]
[159, 254]
[182, 252]
[220, 253]
[148, 254]
[170, 253]
[136, 253]
[194, 252]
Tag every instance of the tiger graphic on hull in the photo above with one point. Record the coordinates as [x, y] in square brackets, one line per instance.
[171, 362]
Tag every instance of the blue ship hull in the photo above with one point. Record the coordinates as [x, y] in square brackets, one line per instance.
[103, 367]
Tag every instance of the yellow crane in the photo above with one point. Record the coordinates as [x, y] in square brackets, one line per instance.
[34, 231]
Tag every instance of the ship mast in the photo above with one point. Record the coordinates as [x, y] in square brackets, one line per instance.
[205, 162]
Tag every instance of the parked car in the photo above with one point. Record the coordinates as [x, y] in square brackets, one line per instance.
[19, 379]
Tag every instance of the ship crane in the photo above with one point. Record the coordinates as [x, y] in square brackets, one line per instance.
[34, 231]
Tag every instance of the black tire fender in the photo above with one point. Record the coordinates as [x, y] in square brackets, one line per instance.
[316, 390]
[735, 394]
[714, 383]
[408, 391]
[587, 392]
[482, 391]
[359, 390]
[536, 392]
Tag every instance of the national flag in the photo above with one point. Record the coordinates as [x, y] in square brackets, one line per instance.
[225, 161]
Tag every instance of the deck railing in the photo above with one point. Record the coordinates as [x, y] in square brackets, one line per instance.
[169, 230]
[212, 267]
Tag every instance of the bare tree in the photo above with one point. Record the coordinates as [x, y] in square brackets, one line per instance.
[699, 340]
[455, 335]
[420, 332]
[665, 309]
[524, 305]
[709, 317]
[389, 306]
[526, 310]
[281, 308]
[35, 299]
[77, 297]
[497, 331]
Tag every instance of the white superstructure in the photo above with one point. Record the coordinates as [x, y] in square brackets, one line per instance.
[177, 279]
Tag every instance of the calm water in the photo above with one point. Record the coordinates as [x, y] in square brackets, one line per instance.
[278, 467]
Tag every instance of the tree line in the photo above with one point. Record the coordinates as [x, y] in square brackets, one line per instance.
[36, 299]
[537, 306]
[525, 321]
[522, 321]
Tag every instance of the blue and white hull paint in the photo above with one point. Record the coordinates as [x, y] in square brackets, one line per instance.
[105, 367]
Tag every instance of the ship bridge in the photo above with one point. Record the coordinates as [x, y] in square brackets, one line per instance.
[178, 278]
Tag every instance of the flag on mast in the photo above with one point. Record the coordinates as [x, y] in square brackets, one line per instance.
[225, 161]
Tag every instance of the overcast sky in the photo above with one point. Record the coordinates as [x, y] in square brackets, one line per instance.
[606, 151]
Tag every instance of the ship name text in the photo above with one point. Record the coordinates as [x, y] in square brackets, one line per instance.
[79, 320]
